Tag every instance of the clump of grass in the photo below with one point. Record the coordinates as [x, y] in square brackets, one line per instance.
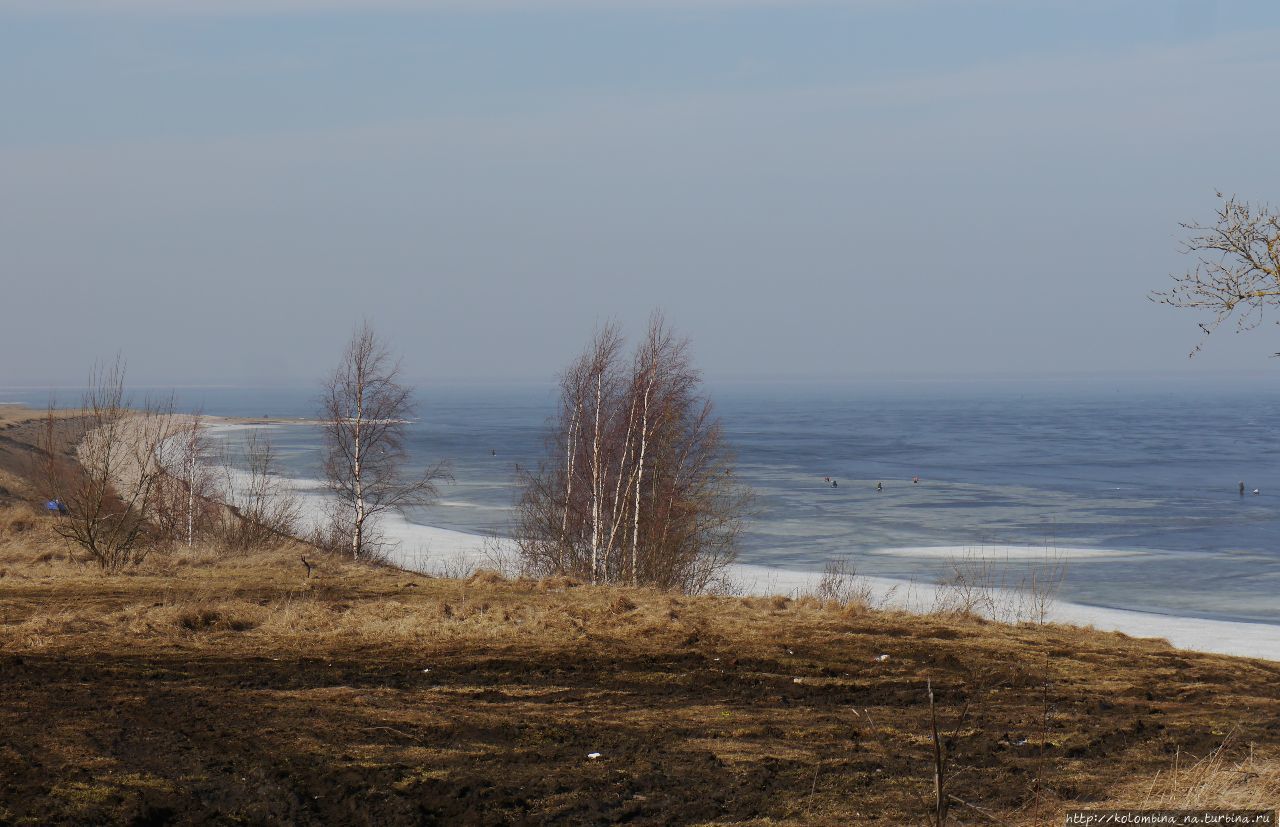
[213, 620]
[16, 519]
[558, 584]
[486, 577]
[1216, 781]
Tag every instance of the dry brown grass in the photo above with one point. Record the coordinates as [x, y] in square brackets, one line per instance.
[1231, 777]
[479, 699]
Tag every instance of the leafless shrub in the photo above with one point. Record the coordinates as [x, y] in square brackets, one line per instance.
[1039, 587]
[109, 489]
[722, 584]
[503, 556]
[638, 485]
[457, 567]
[841, 584]
[330, 530]
[969, 588]
[1006, 590]
[264, 509]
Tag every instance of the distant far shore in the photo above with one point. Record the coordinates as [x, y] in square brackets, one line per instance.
[259, 420]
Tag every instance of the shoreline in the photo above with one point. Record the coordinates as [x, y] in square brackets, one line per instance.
[436, 551]
[440, 551]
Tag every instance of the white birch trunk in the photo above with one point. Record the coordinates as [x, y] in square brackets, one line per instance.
[596, 481]
[570, 454]
[644, 445]
[617, 512]
[357, 538]
[191, 496]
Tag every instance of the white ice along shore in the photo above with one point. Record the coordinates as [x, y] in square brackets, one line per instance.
[442, 551]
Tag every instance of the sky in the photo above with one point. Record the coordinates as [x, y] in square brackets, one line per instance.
[221, 189]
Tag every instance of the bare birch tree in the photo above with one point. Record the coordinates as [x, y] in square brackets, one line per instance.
[108, 486]
[1237, 271]
[188, 500]
[638, 486]
[366, 411]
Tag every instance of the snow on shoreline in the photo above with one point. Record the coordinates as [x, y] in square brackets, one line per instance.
[1001, 553]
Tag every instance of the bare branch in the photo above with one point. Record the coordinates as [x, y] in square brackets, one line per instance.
[1237, 271]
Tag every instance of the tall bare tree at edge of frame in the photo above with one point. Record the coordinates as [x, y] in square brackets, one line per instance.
[109, 484]
[637, 486]
[1237, 272]
[365, 412]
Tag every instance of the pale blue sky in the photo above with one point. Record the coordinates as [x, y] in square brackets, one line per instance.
[808, 189]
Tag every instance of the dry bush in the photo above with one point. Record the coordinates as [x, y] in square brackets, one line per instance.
[1002, 590]
[841, 584]
[457, 567]
[330, 532]
[264, 510]
[969, 588]
[110, 488]
[504, 556]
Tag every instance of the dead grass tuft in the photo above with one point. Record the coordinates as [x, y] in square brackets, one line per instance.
[486, 577]
[16, 519]
[213, 620]
[1228, 778]
[558, 584]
